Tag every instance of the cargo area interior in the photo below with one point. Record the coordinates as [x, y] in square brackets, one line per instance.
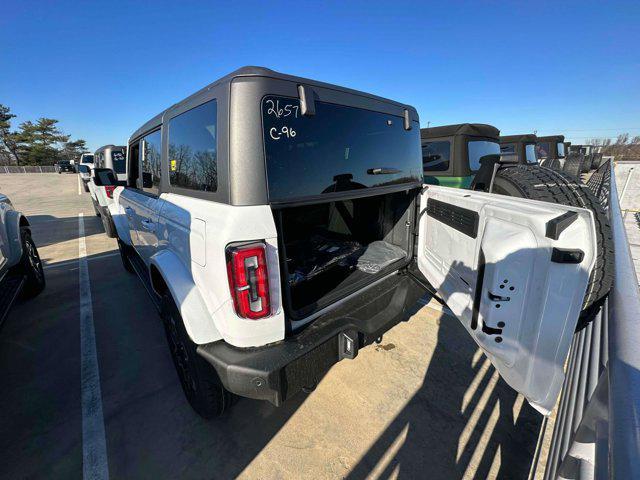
[331, 249]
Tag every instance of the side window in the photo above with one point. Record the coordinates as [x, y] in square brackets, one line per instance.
[133, 165]
[435, 156]
[543, 149]
[151, 162]
[508, 148]
[193, 159]
[530, 150]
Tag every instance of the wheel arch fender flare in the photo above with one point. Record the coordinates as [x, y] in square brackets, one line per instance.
[120, 222]
[197, 320]
[14, 221]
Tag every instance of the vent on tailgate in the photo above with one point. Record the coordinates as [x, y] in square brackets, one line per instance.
[462, 219]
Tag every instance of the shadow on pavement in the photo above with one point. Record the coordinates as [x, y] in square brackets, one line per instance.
[443, 429]
[50, 230]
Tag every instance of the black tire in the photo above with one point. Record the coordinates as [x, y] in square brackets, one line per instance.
[31, 266]
[200, 382]
[539, 183]
[573, 165]
[95, 208]
[86, 187]
[552, 163]
[588, 163]
[109, 227]
[124, 256]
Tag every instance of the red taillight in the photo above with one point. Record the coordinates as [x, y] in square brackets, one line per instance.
[108, 189]
[249, 280]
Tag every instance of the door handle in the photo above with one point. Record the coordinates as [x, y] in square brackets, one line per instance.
[148, 224]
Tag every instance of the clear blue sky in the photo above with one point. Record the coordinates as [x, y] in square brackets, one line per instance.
[104, 68]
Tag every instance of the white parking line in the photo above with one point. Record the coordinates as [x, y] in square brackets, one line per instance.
[94, 447]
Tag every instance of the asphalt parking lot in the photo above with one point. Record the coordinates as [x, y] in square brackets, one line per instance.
[423, 404]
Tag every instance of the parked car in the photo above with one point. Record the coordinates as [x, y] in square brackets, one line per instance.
[550, 151]
[85, 164]
[21, 272]
[285, 225]
[465, 141]
[85, 175]
[522, 146]
[86, 159]
[65, 166]
[102, 196]
[506, 174]
[112, 157]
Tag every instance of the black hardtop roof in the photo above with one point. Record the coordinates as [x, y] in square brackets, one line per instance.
[111, 146]
[551, 138]
[251, 71]
[523, 137]
[472, 129]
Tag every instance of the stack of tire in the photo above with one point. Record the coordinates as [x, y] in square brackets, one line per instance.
[552, 163]
[542, 183]
[597, 161]
[574, 164]
[587, 166]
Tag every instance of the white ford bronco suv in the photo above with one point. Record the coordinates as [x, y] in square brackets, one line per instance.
[281, 224]
[113, 158]
[21, 271]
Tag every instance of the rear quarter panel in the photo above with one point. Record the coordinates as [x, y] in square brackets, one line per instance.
[198, 232]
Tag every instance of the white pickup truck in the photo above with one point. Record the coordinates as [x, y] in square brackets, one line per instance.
[21, 271]
[281, 224]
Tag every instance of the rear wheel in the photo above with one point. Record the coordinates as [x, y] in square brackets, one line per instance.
[539, 183]
[199, 380]
[31, 265]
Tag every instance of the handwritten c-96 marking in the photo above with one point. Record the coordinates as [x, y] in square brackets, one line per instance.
[285, 131]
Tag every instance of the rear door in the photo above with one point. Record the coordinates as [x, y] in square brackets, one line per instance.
[146, 203]
[128, 195]
[515, 273]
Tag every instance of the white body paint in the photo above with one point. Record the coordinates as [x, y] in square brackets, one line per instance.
[544, 298]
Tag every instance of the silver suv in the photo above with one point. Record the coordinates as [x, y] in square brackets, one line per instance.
[21, 272]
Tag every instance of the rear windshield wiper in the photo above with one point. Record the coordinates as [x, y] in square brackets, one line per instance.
[383, 171]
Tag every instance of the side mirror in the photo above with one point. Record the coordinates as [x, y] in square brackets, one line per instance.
[103, 177]
[147, 180]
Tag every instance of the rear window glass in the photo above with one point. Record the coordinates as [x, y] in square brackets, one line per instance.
[480, 148]
[87, 159]
[530, 151]
[339, 148]
[193, 154]
[435, 156]
[119, 160]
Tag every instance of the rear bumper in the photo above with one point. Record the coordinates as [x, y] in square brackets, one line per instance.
[277, 372]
